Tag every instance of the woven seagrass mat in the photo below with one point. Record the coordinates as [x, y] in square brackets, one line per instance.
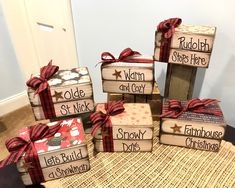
[166, 166]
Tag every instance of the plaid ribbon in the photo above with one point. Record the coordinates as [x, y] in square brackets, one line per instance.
[42, 88]
[174, 109]
[19, 146]
[167, 28]
[99, 119]
[127, 55]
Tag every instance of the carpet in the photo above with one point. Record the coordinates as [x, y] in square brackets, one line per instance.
[166, 166]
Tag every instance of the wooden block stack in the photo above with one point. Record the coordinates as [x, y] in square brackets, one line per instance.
[132, 82]
[154, 100]
[190, 48]
[71, 92]
[132, 129]
[193, 130]
[62, 155]
[132, 78]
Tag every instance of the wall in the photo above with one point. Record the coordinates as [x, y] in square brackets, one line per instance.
[106, 25]
[11, 81]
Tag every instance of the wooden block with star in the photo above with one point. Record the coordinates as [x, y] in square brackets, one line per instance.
[71, 92]
[59, 156]
[129, 78]
[191, 129]
[191, 45]
[132, 130]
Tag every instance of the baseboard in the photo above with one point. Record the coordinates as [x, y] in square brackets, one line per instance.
[13, 103]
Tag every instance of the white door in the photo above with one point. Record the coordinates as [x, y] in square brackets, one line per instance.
[41, 30]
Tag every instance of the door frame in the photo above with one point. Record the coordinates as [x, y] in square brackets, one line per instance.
[15, 14]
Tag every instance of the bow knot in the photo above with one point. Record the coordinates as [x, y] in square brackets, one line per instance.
[175, 108]
[127, 55]
[167, 27]
[15, 144]
[100, 119]
[40, 83]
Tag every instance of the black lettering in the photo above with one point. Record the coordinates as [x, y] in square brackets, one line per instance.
[65, 109]
[138, 76]
[191, 44]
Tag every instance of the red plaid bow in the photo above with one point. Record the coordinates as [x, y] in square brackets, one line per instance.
[99, 119]
[127, 55]
[40, 83]
[18, 146]
[42, 88]
[175, 108]
[167, 27]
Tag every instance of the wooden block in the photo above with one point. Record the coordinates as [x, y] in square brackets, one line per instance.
[127, 87]
[180, 82]
[64, 93]
[60, 171]
[193, 128]
[129, 98]
[67, 149]
[129, 132]
[141, 98]
[71, 91]
[114, 97]
[128, 71]
[68, 141]
[189, 58]
[57, 157]
[135, 115]
[190, 45]
[67, 108]
[156, 117]
[194, 124]
[127, 145]
[156, 107]
[155, 94]
[132, 78]
[190, 142]
[133, 125]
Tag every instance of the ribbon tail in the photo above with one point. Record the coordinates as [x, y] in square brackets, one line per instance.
[47, 104]
[211, 112]
[35, 171]
[13, 157]
[107, 137]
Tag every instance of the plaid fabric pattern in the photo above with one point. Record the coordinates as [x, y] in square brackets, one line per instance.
[174, 108]
[167, 28]
[47, 104]
[99, 119]
[17, 146]
[107, 137]
[127, 55]
[42, 88]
